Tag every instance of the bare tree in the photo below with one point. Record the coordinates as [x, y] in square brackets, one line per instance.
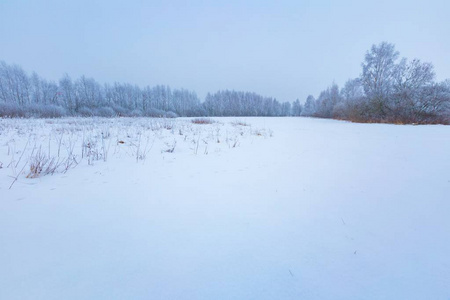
[378, 70]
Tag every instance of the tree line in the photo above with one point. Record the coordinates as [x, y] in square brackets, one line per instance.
[389, 90]
[32, 96]
[234, 103]
[22, 95]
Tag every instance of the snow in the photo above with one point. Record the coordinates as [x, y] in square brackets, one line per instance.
[300, 208]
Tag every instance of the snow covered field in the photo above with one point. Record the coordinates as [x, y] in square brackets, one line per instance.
[287, 208]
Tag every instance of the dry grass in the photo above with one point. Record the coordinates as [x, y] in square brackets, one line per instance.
[239, 123]
[203, 121]
[38, 147]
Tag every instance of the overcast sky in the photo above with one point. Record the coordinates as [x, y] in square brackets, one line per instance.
[282, 49]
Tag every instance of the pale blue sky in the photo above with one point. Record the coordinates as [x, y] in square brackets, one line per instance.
[283, 49]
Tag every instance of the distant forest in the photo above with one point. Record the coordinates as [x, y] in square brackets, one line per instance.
[389, 90]
[22, 95]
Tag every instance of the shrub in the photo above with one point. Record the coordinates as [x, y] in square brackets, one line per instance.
[85, 112]
[120, 111]
[155, 113]
[45, 111]
[106, 112]
[198, 111]
[11, 110]
[170, 114]
[136, 113]
[53, 111]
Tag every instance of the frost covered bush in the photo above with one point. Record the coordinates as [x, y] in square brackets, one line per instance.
[170, 114]
[136, 113]
[45, 111]
[85, 112]
[155, 113]
[197, 111]
[105, 112]
[11, 110]
[53, 111]
[120, 111]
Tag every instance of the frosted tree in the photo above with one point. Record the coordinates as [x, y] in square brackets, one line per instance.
[67, 93]
[378, 71]
[236, 103]
[409, 81]
[433, 105]
[15, 86]
[43, 92]
[412, 76]
[309, 108]
[353, 101]
[296, 108]
[352, 90]
[286, 109]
